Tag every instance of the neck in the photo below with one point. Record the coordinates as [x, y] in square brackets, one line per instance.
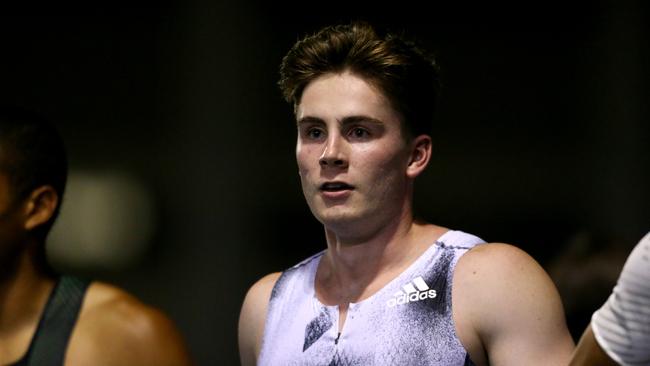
[24, 290]
[352, 254]
[353, 262]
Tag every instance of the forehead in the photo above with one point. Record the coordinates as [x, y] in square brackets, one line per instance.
[335, 96]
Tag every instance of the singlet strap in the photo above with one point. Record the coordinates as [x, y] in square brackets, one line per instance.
[59, 318]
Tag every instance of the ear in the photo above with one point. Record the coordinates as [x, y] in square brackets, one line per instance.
[420, 156]
[40, 206]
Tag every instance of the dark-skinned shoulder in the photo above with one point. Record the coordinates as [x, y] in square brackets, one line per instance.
[115, 328]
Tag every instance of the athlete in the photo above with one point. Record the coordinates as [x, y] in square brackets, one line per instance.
[619, 333]
[49, 319]
[389, 289]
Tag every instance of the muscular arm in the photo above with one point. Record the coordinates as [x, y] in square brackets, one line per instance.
[114, 328]
[508, 310]
[253, 317]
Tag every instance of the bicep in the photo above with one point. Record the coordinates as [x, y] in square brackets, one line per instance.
[252, 318]
[519, 316]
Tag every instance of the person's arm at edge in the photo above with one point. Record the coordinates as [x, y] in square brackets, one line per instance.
[622, 313]
[513, 307]
[253, 317]
[588, 352]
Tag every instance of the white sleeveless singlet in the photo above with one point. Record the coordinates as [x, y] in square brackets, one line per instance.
[407, 322]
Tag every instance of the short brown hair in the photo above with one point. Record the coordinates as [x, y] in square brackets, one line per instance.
[405, 73]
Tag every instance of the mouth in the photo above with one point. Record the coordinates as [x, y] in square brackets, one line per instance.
[335, 187]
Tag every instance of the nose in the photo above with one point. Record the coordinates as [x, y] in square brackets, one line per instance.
[333, 153]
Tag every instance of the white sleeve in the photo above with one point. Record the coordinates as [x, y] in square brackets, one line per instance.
[622, 325]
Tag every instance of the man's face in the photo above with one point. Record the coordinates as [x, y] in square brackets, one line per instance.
[351, 153]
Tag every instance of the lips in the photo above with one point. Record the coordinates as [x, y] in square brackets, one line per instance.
[335, 187]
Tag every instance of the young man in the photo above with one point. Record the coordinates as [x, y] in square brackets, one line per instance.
[389, 289]
[619, 333]
[47, 319]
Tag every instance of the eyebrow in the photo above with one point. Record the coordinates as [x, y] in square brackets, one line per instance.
[350, 120]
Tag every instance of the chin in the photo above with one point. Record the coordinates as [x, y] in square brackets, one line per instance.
[338, 217]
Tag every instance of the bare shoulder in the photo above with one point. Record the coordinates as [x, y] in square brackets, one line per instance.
[509, 300]
[115, 328]
[260, 291]
[493, 255]
[253, 311]
[499, 264]
[496, 270]
[253, 317]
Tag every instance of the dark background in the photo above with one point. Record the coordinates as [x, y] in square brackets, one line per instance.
[541, 139]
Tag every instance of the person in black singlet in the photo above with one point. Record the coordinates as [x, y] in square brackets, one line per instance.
[48, 319]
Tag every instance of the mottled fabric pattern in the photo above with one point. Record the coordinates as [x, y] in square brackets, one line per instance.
[407, 322]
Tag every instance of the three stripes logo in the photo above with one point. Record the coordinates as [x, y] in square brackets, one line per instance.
[416, 290]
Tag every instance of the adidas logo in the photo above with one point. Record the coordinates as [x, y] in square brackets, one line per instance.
[415, 290]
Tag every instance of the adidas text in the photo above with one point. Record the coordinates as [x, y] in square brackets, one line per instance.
[412, 293]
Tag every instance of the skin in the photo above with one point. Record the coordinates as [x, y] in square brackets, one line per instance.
[506, 309]
[588, 352]
[113, 327]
